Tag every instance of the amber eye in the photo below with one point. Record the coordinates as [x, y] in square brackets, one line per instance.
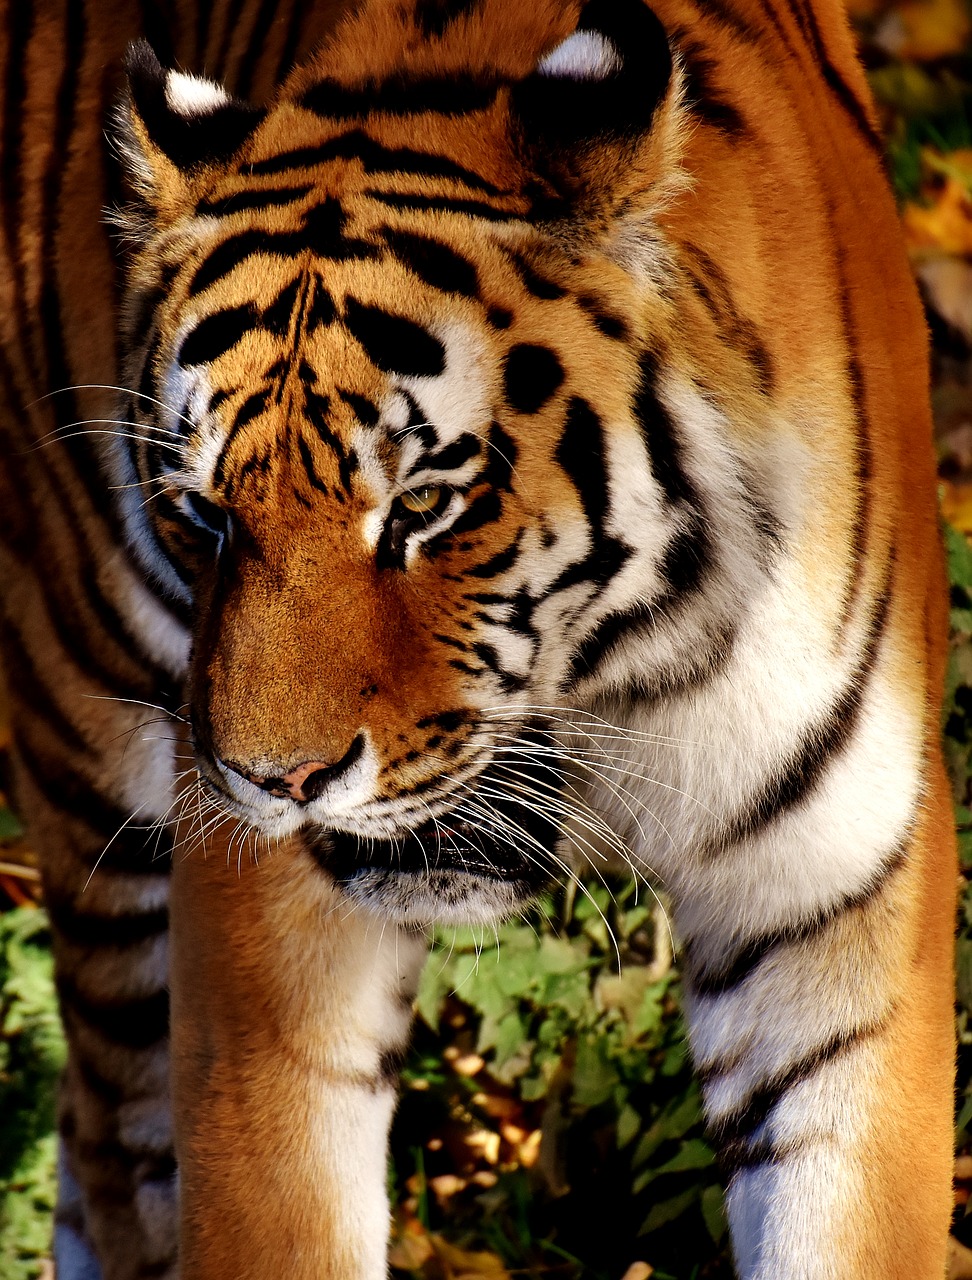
[424, 501]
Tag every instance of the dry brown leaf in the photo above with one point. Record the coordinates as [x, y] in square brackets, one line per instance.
[945, 225]
[638, 1271]
[461, 1265]
[948, 287]
[923, 30]
[957, 510]
[411, 1248]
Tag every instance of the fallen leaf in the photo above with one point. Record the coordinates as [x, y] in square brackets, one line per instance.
[411, 1248]
[957, 510]
[944, 225]
[948, 288]
[638, 1271]
[924, 30]
[461, 1265]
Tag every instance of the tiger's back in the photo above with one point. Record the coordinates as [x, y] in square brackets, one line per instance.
[629, 313]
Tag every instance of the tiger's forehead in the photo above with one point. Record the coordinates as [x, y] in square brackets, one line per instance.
[312, 301]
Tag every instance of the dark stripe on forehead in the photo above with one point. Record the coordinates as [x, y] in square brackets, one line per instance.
[433, 262]
[322, 234]
[240, 201]
[393, 343]
[458, 96]
[308, 463]
[374, 158]
[364, 410]
[214, 335]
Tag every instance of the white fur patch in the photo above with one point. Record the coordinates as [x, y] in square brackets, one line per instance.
[586, 55]
[192, 95]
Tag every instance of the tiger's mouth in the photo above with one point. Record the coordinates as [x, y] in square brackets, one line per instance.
[451, 869]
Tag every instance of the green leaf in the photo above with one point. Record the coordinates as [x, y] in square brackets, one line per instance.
[959, 557]
[628, 1126]
[674, 1122]
[668, 1210]
[714, 1213]
[594, 1076]
[692, 1154]
[10, 827]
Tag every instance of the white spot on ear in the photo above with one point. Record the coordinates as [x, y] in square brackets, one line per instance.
[586, 55]
[192, 95]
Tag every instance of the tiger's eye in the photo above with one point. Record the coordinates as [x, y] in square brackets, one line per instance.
[421, 501]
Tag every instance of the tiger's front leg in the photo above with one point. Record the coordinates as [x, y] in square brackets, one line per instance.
[825, 1055]
[290, 1013]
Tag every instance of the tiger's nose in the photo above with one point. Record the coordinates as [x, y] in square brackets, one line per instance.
[306, 781]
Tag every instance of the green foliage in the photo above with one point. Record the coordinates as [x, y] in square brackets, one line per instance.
[31, 1057]
[575, 1012]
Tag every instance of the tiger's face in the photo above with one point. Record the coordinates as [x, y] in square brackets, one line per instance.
[400, 473]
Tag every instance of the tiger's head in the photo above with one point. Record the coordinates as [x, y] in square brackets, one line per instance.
[394, 348]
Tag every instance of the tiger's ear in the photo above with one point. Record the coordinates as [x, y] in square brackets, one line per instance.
[173, 124]
[589, 105]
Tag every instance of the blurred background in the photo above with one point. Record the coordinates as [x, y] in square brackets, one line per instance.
[549, 1125]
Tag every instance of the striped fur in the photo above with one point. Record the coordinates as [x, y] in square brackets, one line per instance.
[525, 458]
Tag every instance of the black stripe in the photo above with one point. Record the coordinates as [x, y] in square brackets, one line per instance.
[374, 157]
[580, 451]
[863, 460]
[25, 684]
[308, 462]
[239, 201]
[322, 234]
[661, 437]
[451, 456]
[721, 978]
[250, 409]
[538, 285]
[400, 97]
[434, 262]
[736, 1127]
[393, 343]
[799, 776]
[844, 94]
[500, 562]
[702, 99]
[217, 333]
[137, 1024]
[96, 929]
[132, 849]
[712, 286]
[364, 410]
[441, 204]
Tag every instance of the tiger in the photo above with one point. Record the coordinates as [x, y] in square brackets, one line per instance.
[480, 439]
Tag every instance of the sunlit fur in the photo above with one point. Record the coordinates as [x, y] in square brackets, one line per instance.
[677, 602]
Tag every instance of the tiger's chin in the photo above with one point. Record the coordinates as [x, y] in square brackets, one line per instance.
[438, 875]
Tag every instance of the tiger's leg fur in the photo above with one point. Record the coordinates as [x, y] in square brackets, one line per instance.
[839, 1114]
[294, 1062]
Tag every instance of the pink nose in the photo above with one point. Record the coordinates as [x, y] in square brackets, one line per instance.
[306, 781]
